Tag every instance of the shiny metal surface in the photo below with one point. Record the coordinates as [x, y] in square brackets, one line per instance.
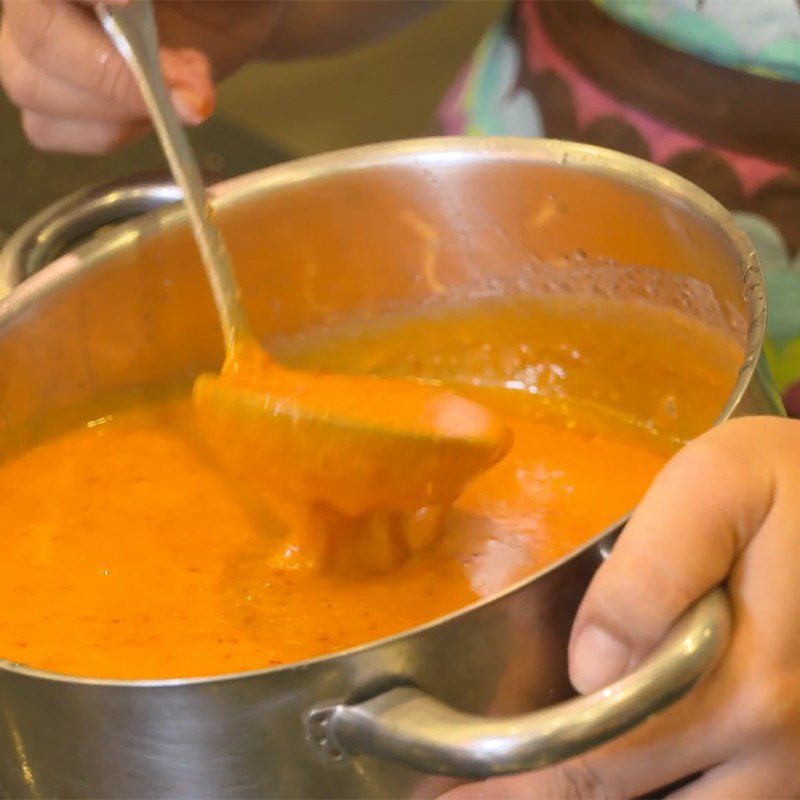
[79, 215]
[410, 727]
[346, 235]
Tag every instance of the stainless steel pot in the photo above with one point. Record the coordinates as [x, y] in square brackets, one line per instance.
[336, 235]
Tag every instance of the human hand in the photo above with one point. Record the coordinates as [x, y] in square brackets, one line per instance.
[76, 93]
[724, 509]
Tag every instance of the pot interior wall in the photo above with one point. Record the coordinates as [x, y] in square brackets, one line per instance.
[314, 248]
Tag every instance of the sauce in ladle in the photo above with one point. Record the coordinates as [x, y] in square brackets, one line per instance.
[355, 444]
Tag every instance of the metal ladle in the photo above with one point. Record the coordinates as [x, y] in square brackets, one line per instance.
[355, 444]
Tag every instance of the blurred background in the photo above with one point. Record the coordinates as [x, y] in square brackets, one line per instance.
[270, 112]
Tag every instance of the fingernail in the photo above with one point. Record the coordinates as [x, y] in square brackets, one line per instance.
[188, 105]
[597, 659]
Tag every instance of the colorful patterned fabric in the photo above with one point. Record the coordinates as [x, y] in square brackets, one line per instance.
[760, 36]
[544, 71]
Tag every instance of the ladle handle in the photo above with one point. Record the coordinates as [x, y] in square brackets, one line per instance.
[132, 28]
[408, 726]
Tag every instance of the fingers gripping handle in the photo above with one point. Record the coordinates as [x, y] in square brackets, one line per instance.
[408, 726]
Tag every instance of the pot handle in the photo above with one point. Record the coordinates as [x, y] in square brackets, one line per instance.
[408, 726]
[55, 229]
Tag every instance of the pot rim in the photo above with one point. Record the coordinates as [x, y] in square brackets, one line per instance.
[625, 168]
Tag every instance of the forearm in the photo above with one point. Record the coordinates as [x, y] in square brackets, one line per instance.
[323, 27]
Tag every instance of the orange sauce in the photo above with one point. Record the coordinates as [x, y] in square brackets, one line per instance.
[352, 443]
[128, 552]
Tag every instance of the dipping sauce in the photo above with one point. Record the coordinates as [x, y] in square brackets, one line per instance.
[129, 553]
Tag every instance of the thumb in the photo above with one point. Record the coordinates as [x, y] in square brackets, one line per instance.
[187, 73]
[699, 514]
